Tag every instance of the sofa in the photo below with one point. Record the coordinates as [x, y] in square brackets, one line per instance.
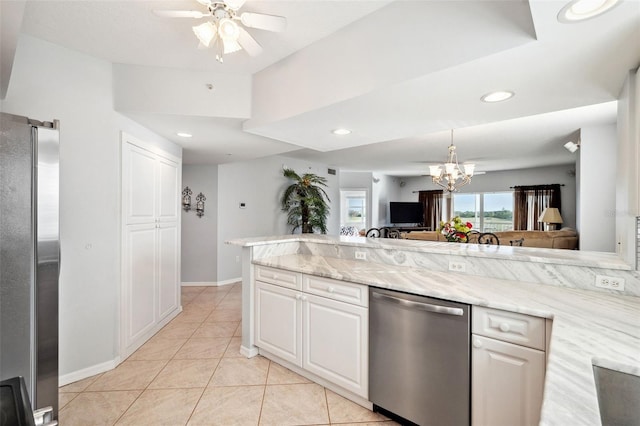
[565, 238]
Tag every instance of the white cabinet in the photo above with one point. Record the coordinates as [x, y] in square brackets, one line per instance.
[507, 378]
[324, 336]
[278, 324]
[150, 241]
[335, 342]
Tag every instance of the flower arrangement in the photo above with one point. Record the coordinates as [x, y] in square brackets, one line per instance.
[455, 230]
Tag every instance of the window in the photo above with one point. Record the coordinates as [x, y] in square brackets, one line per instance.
[356, 209]
[487, 211]
[353, 210]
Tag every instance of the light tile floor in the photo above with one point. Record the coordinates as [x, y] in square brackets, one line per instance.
[191, 373]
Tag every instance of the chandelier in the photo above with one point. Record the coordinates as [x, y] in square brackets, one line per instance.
[450, 176]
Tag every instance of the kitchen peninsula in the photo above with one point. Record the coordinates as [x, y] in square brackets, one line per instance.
[590, 326]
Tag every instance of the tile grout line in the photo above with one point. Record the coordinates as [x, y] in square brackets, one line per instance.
[264, 391]
[326, 400]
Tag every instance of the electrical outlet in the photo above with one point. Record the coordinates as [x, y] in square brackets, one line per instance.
[614, 283]
[457, 266]
[362, 255]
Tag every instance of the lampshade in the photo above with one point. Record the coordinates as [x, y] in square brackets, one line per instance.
[205, 33]
[550, 215]
[228, 30]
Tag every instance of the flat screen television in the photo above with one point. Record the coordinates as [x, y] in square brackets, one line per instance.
[405, 212]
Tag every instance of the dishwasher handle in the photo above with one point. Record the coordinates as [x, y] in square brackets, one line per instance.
[419, 305]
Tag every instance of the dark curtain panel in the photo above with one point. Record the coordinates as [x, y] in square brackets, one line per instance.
[530, 201]
[431, 207]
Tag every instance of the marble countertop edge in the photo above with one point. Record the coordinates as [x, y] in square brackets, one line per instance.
[522, 254]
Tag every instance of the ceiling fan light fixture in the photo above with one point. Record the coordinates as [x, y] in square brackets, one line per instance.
[228, 30]
[205, 33]
[497, 96]
[580, 10]
[231, 46]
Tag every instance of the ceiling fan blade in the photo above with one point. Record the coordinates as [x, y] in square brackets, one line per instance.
[264, 22]
[204, 2]
[180, 14]
[234, 4]
[249, 43]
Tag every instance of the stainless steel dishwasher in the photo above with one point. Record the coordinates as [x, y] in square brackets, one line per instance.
[419, 358]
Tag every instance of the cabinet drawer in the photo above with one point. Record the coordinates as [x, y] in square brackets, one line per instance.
[511, 327]
[279, 277]
[338, 290]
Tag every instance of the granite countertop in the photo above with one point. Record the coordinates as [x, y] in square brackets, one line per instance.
[588, 327]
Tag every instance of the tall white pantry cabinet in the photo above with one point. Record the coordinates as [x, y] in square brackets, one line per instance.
[150, 292]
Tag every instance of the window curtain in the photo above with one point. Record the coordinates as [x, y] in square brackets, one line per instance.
[431, 207]
[530, 201]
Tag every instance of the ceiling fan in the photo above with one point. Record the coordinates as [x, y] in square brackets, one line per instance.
[222, 30]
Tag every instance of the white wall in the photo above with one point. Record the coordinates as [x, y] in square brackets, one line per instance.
[200, 234]
[259, 184]
[502, 181]
[50, 82]
[382, 191]
[597, 183]
[628, 176]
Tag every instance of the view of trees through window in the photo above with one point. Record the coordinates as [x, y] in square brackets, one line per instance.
[488, 211]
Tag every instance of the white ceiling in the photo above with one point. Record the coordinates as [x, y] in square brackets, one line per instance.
[398, 73]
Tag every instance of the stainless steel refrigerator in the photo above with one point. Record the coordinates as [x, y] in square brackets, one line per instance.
[29, 256]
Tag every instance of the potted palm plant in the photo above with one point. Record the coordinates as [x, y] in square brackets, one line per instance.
[306, 202]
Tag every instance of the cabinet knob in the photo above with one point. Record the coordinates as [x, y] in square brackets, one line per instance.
[477, 343]
[331, 289]
[304, 298]
[504, 327]
[298, 297]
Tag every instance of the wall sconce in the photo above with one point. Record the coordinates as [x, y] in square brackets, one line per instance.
[186, 199]
[200, 204]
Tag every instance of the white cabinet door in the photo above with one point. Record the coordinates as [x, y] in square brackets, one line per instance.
[139, 277]
[507, 383]
[335, 347]
[168, 267]
[278, 321]
[168, 190]
[138, 185]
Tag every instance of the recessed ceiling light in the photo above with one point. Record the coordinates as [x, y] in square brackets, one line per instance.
[184, 135]
[579, 10]
[499, 96]
[341, 132]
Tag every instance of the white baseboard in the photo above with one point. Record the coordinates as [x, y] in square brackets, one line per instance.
[199, 284]
[249, 352]
[88, 372]
[210, 283]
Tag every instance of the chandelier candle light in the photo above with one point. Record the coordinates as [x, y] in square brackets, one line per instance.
[451, 177]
